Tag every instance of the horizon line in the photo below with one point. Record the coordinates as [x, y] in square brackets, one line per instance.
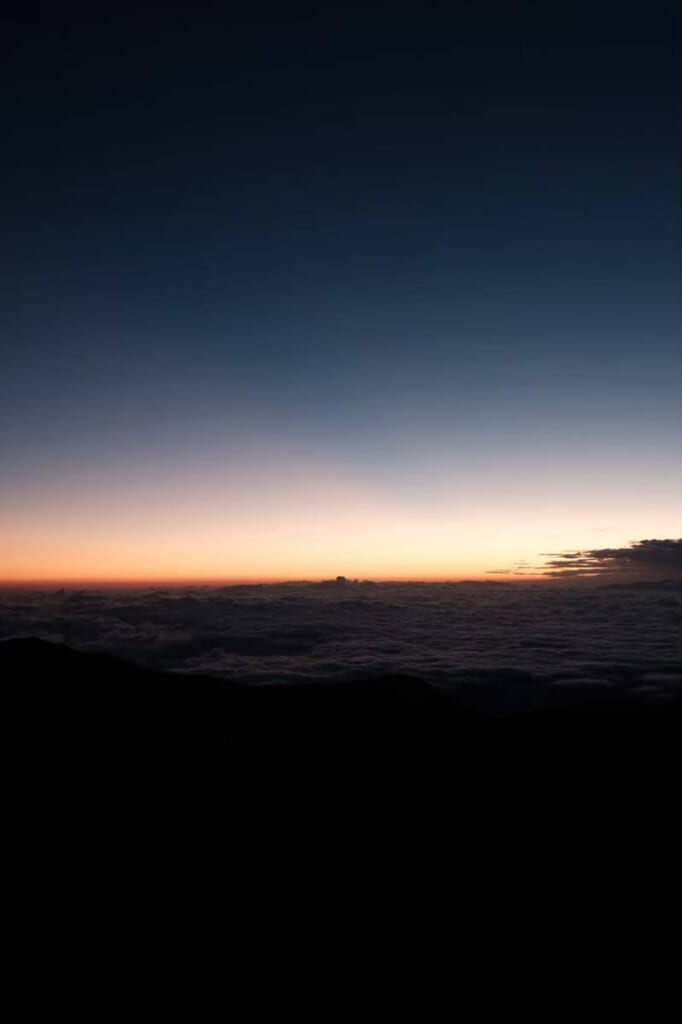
[178, 581]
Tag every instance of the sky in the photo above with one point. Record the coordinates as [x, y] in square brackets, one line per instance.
[301, 291]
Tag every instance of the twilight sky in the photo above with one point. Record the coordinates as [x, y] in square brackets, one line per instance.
[324, 291]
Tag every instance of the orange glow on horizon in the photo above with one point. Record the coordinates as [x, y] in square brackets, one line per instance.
[142, 582]
[304, 522]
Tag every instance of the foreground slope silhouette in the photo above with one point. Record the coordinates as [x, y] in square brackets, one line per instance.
[158, 769]
[72, 698]
[75, 693]
[106, 751]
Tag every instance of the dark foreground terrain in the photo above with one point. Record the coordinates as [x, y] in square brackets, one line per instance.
[144, 799]
[70, 700]
[93, 731]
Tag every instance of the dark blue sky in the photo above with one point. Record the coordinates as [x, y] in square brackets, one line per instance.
[379, 238]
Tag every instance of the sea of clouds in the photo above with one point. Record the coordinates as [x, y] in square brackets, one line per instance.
[442, 632]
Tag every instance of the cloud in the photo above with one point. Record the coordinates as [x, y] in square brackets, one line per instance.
[642, 561]
[461, 634]
[645, 560]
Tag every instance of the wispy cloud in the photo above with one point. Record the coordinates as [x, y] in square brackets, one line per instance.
[641, 560]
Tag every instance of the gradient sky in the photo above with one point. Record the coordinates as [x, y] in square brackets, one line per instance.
[297, 294]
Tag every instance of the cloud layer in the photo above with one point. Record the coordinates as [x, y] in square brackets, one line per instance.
[445, 633]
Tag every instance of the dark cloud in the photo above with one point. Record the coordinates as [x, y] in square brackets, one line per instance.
[642, 561]
[645, 559]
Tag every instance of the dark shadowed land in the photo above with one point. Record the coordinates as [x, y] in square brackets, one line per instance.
[109, 725]
[507, 775]
[146, 789]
